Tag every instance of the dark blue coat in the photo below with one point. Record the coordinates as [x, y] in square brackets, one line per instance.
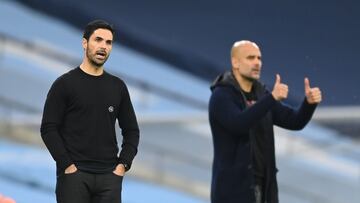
[233, 127]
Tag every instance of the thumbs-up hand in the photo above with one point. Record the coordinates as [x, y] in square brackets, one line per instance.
[280, 90]
[313, 95]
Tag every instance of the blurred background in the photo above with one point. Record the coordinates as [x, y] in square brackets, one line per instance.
[168, 52]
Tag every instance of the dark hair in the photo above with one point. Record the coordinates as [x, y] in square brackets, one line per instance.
[94, 25]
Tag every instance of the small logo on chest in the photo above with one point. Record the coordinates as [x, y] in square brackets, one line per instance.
[111, 109]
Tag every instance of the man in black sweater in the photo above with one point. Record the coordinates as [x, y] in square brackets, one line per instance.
[242, 114]
[78, 125]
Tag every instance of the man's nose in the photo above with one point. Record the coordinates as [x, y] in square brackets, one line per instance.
[257, 62]
[103, 45]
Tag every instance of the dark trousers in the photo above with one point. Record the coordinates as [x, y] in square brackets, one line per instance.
[82, 187]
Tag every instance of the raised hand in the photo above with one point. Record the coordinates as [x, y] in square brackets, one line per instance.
[313, 95]
[280, 90]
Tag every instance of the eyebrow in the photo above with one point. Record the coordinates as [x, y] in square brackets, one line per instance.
[253, 56]
[100, 38]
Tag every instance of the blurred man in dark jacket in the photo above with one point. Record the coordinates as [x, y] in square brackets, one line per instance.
[242, 113]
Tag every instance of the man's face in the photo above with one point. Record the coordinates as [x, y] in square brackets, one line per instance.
[98, 47]
[246, 61]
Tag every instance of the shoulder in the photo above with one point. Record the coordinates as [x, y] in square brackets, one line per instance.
[62, 82]
[115, 80]
[66, 76]
[224, 95]
[223, 92]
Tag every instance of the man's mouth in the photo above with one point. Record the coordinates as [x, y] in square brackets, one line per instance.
[101, 54]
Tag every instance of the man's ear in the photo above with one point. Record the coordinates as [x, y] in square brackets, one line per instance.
[84, 43]
[234, 62]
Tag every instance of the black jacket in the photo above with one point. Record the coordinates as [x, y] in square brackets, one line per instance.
[234, 127]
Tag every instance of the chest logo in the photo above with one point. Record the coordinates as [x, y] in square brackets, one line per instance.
[111, 109]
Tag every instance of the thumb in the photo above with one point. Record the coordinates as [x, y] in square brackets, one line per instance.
[307, 84]
[278, 79]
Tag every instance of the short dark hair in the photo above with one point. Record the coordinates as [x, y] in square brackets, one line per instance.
[94, 25]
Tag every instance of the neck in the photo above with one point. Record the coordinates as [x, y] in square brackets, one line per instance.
[244, 83]
[91, 69]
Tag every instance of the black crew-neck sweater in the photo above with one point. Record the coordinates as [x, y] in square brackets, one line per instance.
[78, 124]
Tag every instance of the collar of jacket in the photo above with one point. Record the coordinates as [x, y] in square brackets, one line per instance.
[228, 79]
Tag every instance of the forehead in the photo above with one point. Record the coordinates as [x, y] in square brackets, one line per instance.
[248, 49]
[103, 33]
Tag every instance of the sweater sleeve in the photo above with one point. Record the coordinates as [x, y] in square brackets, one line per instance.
[129, 128]
[226, 111]
[292, 119]
[54, 109]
